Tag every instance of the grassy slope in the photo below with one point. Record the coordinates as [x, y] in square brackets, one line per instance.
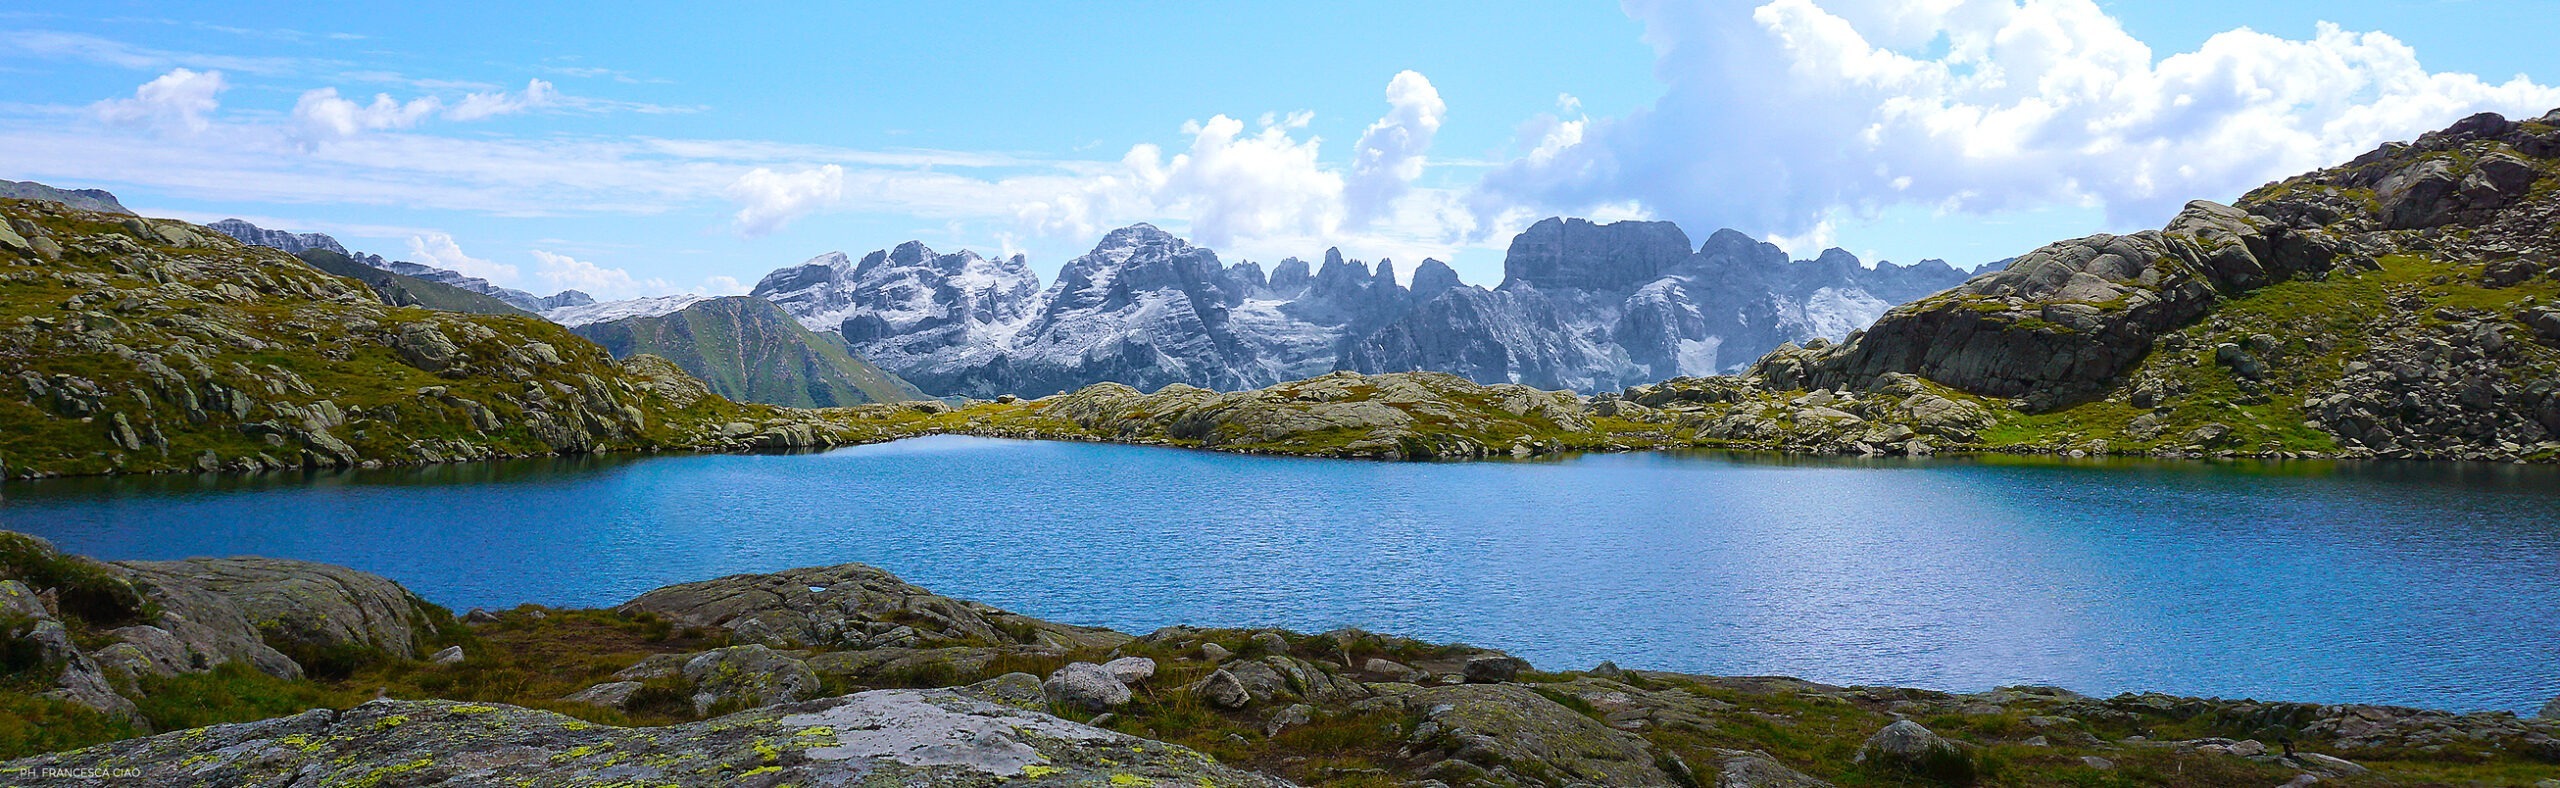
[400, 290]
[749, 350]
[108, 317]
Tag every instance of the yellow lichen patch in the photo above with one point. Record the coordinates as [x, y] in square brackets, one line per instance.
[1037, 771]
[472, 709]
[1127, 779]
[760, 770]
[391, 722]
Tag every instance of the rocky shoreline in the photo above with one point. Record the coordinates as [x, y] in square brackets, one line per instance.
[846, 674]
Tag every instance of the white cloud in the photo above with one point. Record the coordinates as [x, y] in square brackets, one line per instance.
[1776, 118]
[724, 286]
[180, 100]
[323, 115]
[769, 200]
[439, 250]
[1389, 156]
[475, 106]
[1235, 187]
[562, 272]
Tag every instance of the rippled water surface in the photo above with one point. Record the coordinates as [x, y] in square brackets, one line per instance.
[2430, 585]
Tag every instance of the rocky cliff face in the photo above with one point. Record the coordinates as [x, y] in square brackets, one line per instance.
[747, 350]
[927, 316]
[1585, 306]
[1598, 307]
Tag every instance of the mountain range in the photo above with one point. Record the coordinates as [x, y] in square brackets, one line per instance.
[1583, 306]
[297, 243]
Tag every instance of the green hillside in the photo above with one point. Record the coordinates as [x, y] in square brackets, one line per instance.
[399, 290]
[748, 349]
[140, 345]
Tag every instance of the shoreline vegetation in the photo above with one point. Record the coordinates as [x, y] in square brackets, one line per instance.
[259, 671]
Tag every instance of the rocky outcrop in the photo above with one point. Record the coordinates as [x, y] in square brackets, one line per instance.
[852, 606]
[901, 737]
[1407, 416]
[1509, 734]
[160, 619]
[296, 606]
[2069, 321]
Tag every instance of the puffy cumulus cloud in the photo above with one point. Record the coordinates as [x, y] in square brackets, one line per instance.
[1232, 187]
[323, 114]
[179, 101]
[1779, 117]
[768, 200]
[439, 250]
[1390, 154]
[562, 272]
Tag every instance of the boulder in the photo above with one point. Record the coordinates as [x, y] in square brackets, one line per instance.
[1131, 670]
[1223, 690]
[851, 606]
[611, 694]
[1389, 669]
[1215, 653]
[883, 737]
[2550, 711]
[425, 347]
[1296, 714]
[1494, 669]
[1909, 746]
[296, 606]
[752, 675]
[448, 656]
[1087, 686]
[1510, 727]
[1758, 770]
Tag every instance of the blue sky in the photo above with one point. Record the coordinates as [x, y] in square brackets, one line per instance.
[631, 149]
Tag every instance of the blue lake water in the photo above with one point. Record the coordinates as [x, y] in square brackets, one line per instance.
[2424, 584]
